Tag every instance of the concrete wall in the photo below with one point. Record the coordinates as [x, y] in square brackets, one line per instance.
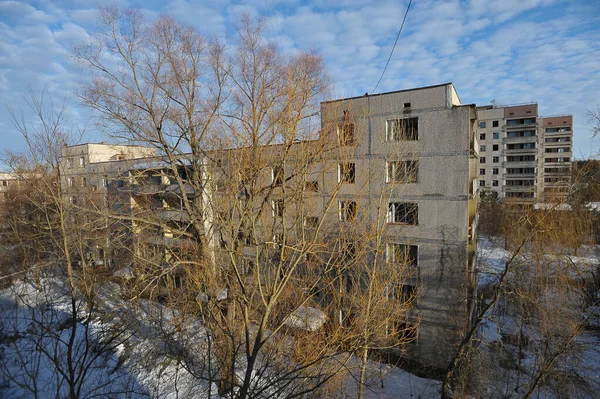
[446, 172]
[443, 151]
[489, 114]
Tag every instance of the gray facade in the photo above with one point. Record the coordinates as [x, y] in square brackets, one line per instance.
[443, 152]
[413, 160]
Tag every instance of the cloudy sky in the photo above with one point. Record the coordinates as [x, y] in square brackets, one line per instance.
[510, 51]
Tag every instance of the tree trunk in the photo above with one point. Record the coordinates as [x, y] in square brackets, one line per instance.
[363, 372]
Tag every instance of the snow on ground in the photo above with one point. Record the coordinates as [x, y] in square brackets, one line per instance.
[35, 329]
[386, 382]
[491, 260]
[140, 364]
[138, 367]
[512, 366]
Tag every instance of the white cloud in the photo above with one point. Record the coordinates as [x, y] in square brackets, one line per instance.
[510, 50]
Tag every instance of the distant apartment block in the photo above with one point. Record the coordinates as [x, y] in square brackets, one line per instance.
[555, 158]
[524, 158]
[90, 175]
[7, 180]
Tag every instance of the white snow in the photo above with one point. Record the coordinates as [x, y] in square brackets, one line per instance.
[306, 318]
[140, 365]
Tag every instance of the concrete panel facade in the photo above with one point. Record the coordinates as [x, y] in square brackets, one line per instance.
[444, 151]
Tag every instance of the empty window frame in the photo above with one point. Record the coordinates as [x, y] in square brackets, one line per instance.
[401, 291]
[403, 213]
[520, 158]
[277, 206]
[495, 183]
[557, 139]
[559, 149]
[346, 172]
[346, 134]
[406, 129]
[520, 133]
[481, 136]
[481, 183]
[70, 162]
[406, 332]
[482, 160]
[402, 254]
[347, 211]
[402, 171]
[494, 123]
[522, 146]
[277, 175]
[311, 186]
[482, 148]
[495, 159]
[81, 162]
[519, 171]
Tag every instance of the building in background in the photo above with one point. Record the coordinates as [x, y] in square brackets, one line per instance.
[555, 158]
[91, 178]
[524, 158]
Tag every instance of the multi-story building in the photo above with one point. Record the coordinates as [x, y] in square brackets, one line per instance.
[421, 142]
[89, 174]
[7, 180]
[555, 158]
[418, 147]
[516, 145]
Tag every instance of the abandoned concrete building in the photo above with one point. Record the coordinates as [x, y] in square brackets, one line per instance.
[524, 158]
[406, 161]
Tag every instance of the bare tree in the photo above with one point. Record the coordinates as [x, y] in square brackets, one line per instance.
[58, 344]
[251, 242]
[539, 304]
[594, 120]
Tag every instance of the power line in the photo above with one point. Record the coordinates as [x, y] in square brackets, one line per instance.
[392, 52]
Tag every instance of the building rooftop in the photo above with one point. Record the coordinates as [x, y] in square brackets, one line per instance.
[388, 92]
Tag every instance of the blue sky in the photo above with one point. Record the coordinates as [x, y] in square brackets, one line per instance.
[511, 51]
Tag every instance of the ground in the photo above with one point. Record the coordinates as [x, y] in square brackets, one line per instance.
[138, 365]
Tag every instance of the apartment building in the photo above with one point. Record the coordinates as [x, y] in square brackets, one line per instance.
[90, 177]
[516, 148]
[422, 143]
[7, 180]
[555, 159]
[406, 161]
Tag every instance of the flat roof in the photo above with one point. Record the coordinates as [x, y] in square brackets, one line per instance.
[388, 92]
